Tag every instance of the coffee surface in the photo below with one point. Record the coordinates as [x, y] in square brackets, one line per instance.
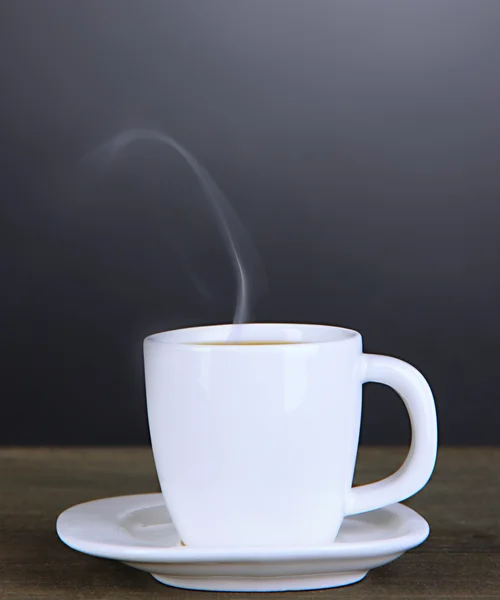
[247, 343]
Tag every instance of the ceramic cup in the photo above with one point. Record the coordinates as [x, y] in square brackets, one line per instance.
[256, 444]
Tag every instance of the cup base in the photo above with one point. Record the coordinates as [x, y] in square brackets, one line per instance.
[262, 584]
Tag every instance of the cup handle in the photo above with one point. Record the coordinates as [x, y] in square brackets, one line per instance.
[419, 464]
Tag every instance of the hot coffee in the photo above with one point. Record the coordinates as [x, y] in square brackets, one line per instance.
[244, 343]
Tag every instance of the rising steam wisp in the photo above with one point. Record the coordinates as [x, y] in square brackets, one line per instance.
[243, 255]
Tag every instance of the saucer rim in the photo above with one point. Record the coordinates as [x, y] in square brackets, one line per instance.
[70, 531]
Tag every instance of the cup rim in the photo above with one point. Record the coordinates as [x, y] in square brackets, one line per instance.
[296, 334]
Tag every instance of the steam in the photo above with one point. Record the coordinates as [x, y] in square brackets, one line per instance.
[243, 255]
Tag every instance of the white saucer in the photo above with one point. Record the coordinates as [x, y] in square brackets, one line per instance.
[137, 530]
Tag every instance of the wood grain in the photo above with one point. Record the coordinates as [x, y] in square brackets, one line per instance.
[461, 559]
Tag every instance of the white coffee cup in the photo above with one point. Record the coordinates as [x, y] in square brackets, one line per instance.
[256, 444]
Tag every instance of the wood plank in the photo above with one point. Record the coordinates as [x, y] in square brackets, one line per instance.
[461, 559]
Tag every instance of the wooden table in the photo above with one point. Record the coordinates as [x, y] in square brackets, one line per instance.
[461, 559]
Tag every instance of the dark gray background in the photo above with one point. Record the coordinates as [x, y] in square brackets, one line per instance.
[359, 142]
